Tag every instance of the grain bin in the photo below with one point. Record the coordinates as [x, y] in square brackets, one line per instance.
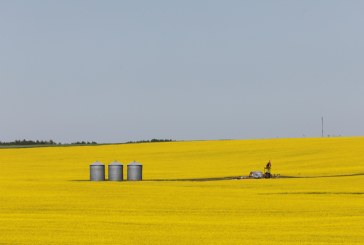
[97, 171]
[115, 171]
[135, 171]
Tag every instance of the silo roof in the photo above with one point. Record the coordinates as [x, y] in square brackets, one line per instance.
[97, 163]
[115, 163]
[135, 164]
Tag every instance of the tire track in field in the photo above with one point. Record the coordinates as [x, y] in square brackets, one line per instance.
[239, 178]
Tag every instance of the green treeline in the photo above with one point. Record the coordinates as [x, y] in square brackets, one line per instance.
[44, 142]
[25, 142]
[149, 141]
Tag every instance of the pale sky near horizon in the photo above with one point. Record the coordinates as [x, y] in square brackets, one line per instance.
[114, 71]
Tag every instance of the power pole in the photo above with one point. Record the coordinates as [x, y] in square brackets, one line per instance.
[322, 126]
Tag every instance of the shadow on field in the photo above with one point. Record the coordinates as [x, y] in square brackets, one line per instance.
[235, 178]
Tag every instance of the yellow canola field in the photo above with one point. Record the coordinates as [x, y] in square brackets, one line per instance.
[46, 198]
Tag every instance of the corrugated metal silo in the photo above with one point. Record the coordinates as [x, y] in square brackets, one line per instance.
[115, 171]
[97, 171]
[135, 171]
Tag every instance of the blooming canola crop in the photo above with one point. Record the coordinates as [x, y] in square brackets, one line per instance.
[46, 196]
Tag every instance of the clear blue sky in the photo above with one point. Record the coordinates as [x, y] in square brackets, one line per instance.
[113, 71]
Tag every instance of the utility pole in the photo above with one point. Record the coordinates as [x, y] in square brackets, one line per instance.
[322, 126]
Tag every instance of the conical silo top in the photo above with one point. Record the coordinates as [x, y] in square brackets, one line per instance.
[134, 164]
[97, 163]
[116, 163]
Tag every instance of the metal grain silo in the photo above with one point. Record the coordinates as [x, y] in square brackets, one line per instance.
[115, 171]
[97, 171]
[135, 171]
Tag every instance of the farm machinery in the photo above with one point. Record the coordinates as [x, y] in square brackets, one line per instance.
[266, 174]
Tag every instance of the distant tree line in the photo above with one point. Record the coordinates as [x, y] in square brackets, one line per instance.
[52, 142]
[149, 141]
[45, 142]
[84, 143]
